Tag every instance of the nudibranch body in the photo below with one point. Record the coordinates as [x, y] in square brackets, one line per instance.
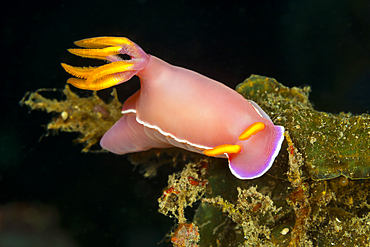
[178, 107]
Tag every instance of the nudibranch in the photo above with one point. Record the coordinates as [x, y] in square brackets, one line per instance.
[178, 107]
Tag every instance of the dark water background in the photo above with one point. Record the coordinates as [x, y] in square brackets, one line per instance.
[101, 201]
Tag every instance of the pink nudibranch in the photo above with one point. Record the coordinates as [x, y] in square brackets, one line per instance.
[178, 107]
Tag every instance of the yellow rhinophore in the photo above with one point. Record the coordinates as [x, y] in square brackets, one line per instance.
[104, 48]
[222, 149]
[101, 42]
[79, 72]
[251, 130]
[97, 53]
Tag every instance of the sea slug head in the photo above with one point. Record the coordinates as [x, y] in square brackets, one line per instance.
[257, 153]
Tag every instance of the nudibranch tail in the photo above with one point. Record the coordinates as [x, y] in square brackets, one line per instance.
[132, 137]
[116, 72]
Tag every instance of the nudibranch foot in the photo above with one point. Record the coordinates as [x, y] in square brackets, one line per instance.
[116, 72]
[178, 107]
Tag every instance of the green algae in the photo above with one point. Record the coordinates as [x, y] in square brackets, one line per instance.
[227, 217]
[306, 200]
[332, 144]
[310, 213]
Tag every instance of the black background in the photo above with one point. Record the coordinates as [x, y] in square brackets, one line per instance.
[101, 200]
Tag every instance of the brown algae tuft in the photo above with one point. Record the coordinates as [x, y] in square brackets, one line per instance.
[90, 116]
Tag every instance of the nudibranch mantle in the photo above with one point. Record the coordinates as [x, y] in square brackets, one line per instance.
[178, 107]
